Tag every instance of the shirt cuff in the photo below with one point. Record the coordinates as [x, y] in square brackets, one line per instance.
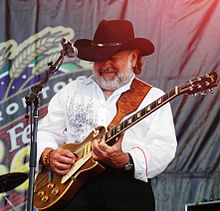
[140, 163]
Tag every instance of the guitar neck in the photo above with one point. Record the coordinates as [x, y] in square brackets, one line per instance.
[138, 116]
[199, 84]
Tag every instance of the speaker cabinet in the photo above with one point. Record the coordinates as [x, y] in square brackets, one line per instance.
[204, 206]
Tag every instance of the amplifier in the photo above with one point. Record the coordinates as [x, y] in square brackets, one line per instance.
[203, 206]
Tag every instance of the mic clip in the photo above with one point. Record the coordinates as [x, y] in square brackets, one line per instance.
[69, 49]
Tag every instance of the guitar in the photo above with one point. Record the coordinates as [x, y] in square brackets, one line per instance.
[53, 191]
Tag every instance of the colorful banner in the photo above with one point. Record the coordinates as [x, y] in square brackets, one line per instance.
[23, 66]
[186, 36]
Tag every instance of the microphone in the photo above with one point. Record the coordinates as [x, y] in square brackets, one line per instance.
[69, 49]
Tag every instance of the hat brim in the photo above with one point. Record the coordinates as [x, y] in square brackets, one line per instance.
[91, 53]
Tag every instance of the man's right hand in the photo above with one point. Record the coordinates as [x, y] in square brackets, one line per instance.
[61, 161]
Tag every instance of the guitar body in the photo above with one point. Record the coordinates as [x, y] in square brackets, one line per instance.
[54, 191]
[50, 187]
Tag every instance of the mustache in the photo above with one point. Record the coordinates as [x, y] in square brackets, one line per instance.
[108, 70]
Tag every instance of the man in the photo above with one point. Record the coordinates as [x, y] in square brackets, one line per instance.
[140, 153]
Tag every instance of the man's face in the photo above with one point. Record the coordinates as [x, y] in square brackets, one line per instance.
[114, 72]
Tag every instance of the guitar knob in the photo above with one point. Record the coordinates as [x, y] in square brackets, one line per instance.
[50, 185]
[44, 198]
[40, 193]
[55, 191]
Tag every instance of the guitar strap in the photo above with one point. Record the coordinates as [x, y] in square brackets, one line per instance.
[129, 101]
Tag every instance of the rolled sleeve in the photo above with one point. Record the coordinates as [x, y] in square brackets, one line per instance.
[152, 142]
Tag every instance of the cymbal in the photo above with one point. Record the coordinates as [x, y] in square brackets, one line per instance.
[11, 180]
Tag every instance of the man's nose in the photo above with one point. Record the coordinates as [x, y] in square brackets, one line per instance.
[106, 64]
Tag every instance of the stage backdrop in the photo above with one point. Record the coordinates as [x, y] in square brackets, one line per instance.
[186, 35]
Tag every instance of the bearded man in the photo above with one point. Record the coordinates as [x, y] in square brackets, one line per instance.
[141, 149]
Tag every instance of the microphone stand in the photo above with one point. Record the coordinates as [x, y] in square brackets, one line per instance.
[33, 99]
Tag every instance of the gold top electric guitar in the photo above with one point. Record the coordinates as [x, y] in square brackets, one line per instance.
[53, 191]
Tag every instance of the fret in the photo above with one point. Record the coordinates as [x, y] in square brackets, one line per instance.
[134, 117]
[109, 134]
[174, 92]
[142, 111]
[159, 101]
[119, 128]
[124, 124]
[139, 114]
[129, 121]
[165, 97]
[112, 132]
[148, 108]
[153, 105]
[169, 95]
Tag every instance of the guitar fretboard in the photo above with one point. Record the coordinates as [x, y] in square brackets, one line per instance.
[110, 135]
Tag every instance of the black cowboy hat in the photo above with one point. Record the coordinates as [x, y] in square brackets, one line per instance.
[111, 37]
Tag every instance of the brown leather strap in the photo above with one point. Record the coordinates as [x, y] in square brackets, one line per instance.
[129, 101]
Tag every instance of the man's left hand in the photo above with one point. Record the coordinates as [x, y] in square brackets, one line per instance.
[110, 155]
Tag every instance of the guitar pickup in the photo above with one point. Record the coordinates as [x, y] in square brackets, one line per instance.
[78, 164]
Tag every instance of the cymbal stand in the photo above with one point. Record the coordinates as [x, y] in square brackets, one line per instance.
[5, 197]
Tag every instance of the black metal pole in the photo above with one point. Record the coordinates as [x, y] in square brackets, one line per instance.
[33, 154]
[31, 100]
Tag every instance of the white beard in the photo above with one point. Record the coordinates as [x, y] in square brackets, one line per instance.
[120, 80]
